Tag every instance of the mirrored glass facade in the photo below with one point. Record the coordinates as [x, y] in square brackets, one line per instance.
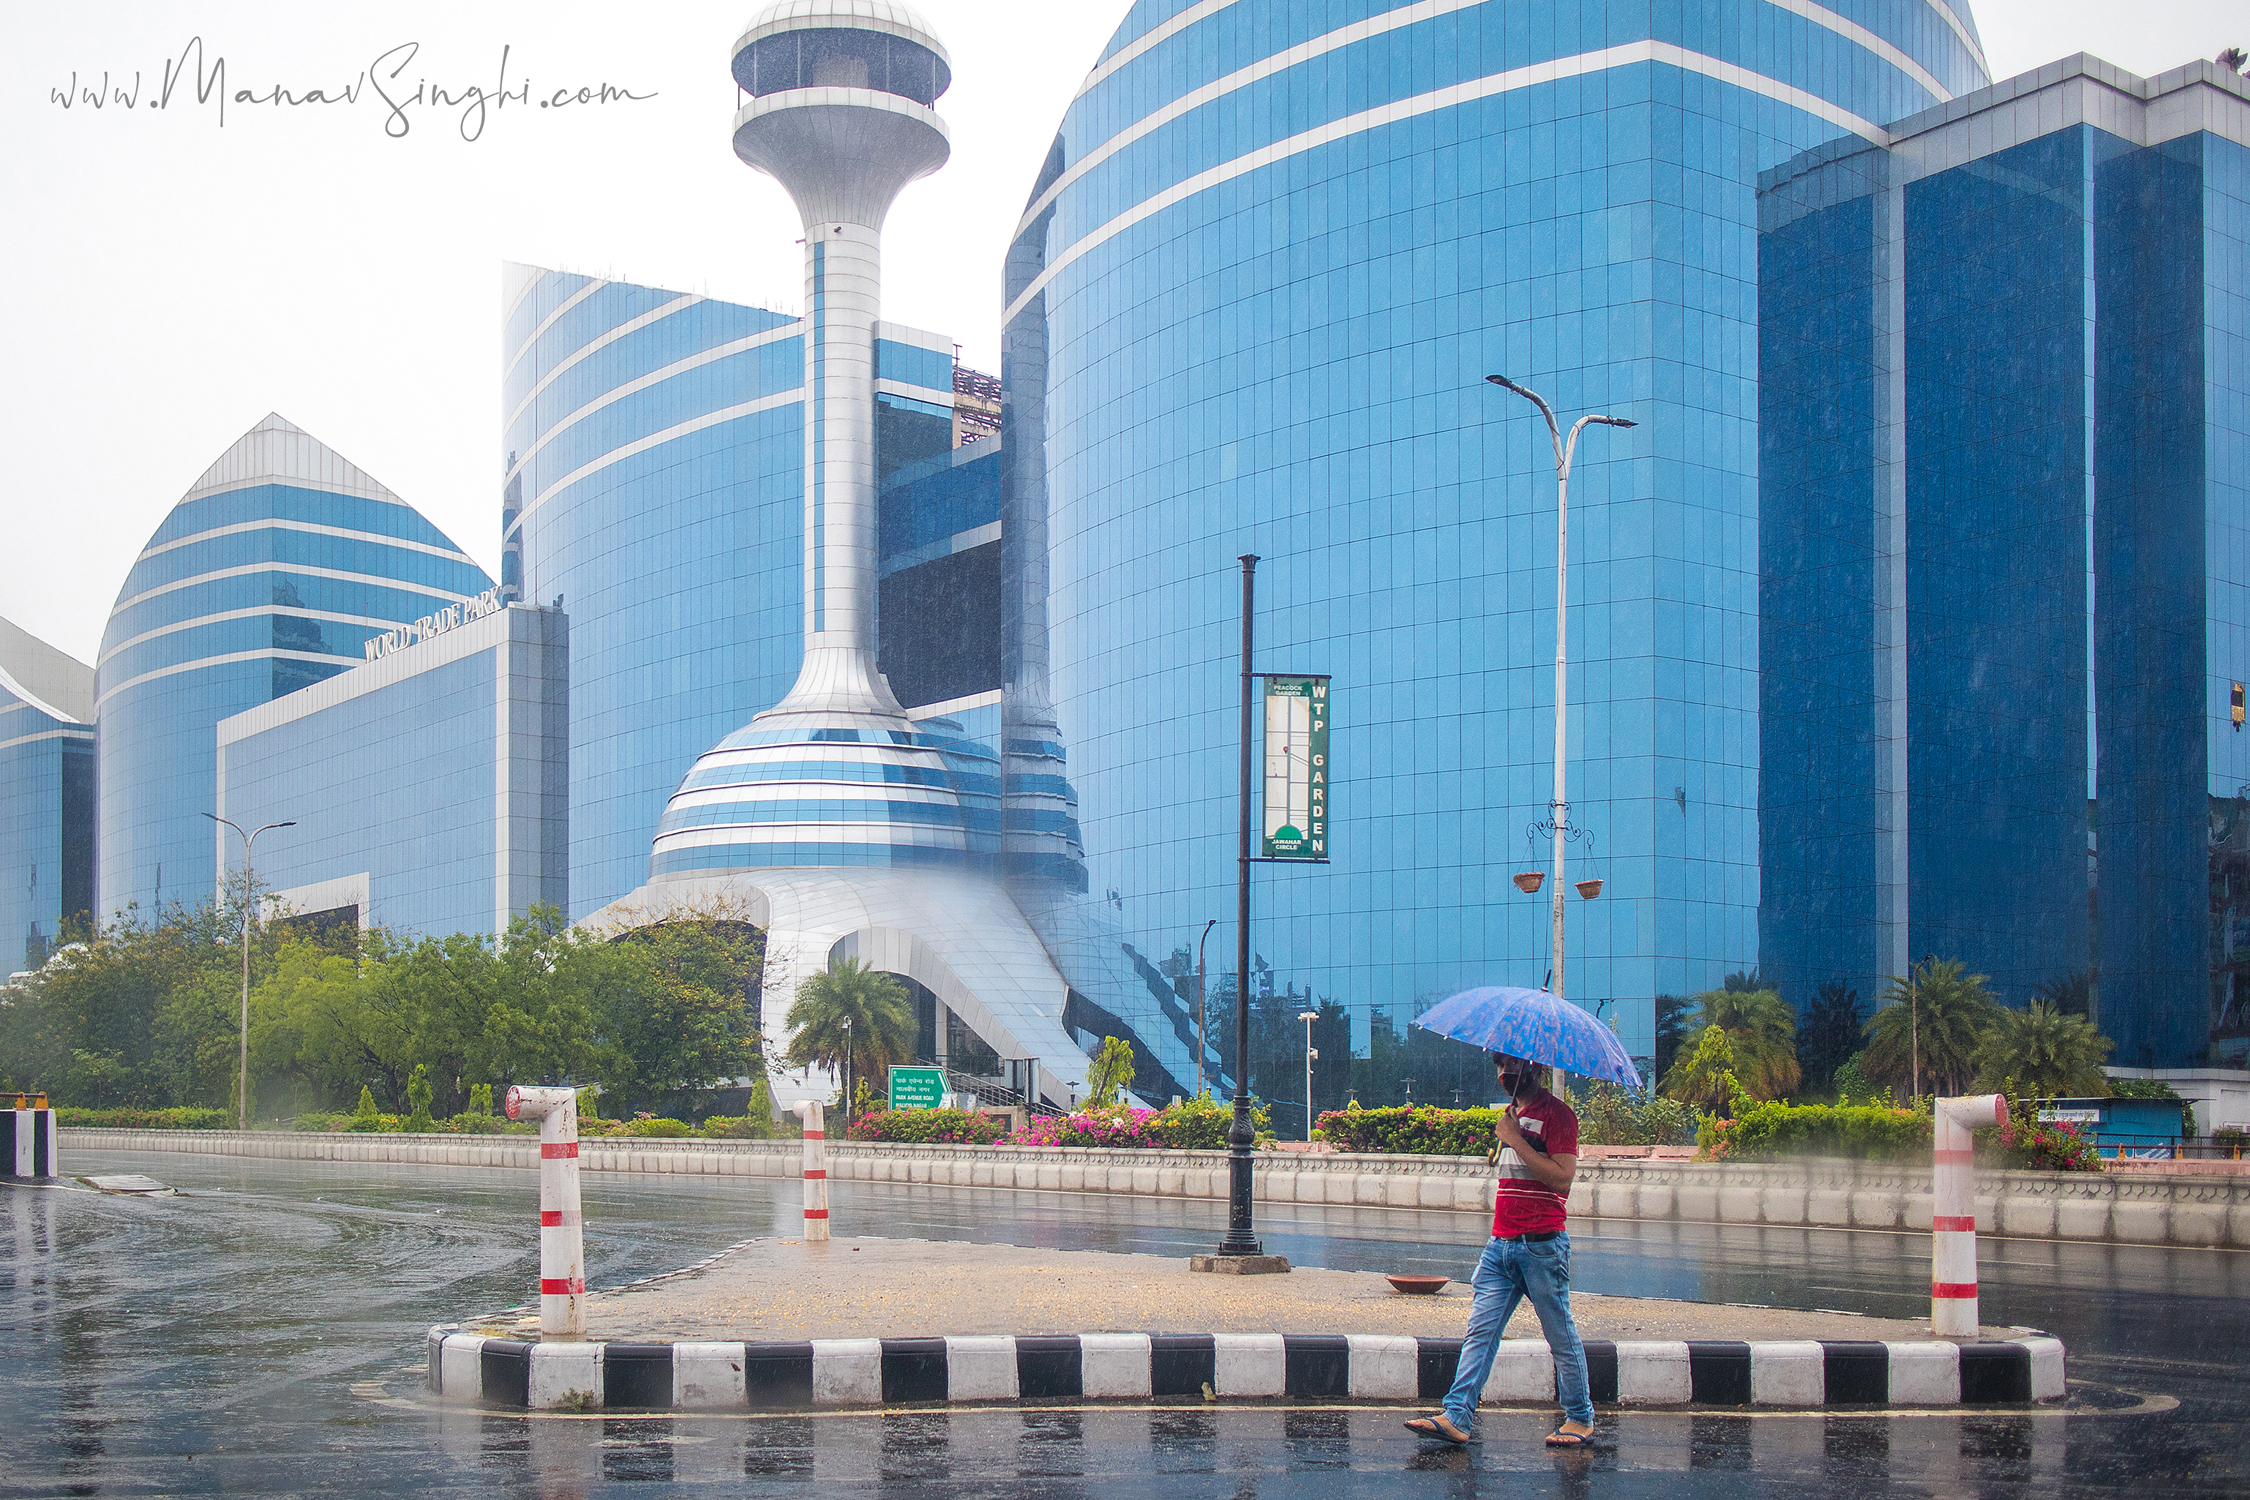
[655, 456]
[46, 797]
[1273, 253]
[655, 487]
[2003, 407]
[430, 789]
[269, 575]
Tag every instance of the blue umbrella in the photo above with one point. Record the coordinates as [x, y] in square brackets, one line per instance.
[1535, 1025]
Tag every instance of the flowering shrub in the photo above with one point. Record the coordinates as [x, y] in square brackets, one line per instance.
[1199, 1124]
[951, 1127]
[2037, 1145]
[2032, 1144]
[1121, 1127]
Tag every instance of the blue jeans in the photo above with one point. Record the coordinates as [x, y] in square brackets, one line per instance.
[1507, 1273]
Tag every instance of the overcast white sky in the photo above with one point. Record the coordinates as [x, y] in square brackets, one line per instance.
[171, 279]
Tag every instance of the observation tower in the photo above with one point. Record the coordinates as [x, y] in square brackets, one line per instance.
[832, 820]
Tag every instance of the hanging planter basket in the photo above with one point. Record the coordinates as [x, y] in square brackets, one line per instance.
[1530, 881]
[1589, 889]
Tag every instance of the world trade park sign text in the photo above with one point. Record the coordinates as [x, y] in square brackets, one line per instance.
[1297, 769]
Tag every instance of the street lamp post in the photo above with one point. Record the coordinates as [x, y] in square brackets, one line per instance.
[1241, 1236]
[1202, 1042]
[242, 1078]
[1308, 1017]
[1559, 809]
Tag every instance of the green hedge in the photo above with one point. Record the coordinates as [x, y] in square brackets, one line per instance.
[658, 1128]
[185, 1117]
[952, 1127]
[1867, 1132]
[1420, 1130]
[1612, 1116]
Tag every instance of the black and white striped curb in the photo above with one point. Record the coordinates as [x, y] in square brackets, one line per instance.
[1140, 1366]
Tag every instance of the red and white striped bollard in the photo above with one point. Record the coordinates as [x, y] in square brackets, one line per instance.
[816, 1172]
[562, 1227]
[1953, 1211]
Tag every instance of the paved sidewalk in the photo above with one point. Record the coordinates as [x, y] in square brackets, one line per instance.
[775, 1290]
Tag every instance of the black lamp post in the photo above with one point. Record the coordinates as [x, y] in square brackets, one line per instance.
[1241, 1238]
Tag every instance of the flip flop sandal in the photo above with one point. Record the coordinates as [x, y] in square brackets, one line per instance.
[1561, 1439]
[1427, 1427]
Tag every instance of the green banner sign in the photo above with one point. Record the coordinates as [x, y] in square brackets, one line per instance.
[1297, 770]
[917, 1088]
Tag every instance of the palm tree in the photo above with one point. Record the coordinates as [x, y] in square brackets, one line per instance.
[1929, 1028]
[849, 1012]
[1671, 1028]
[1762, 1032]
[2073, 994]
[2047, 1053]
[1830, 1034]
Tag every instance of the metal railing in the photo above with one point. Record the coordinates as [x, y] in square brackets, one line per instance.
[995, 1091]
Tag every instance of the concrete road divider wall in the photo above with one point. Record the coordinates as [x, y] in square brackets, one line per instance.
[1155, 1367]
[2099, 1206]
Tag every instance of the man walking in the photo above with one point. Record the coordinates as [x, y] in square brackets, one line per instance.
[1529, 1257]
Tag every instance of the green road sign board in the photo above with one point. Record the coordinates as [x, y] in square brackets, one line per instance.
[917, 1088]
[1297, 769]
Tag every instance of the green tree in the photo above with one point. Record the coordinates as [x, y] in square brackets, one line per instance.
[882, 1030]
[2046, 1052]
[418, 1093]
[2073, 994]
[1705, 1077]
[1829, 1035]
[1671, 1030]
[1929, 1029]
[1110, 1073]
[1761, 1032]
[366, 1113]
[686, 1018]
[480, 1098]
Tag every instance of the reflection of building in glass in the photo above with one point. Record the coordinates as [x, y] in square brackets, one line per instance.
[430, 788]
[2005, 468]
[1249, 308]
[268, 576]
[46, 796]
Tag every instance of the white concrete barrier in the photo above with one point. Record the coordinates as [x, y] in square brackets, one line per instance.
[2112, 1207]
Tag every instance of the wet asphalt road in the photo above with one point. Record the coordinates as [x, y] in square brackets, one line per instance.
[264, 1335]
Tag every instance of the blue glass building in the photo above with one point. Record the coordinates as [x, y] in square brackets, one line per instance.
[270, 574]
[2006, 442]
[655, 486]
[430, 787]
[46, 796]
[1273, 252]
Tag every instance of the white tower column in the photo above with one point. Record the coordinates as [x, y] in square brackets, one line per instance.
[843, 298]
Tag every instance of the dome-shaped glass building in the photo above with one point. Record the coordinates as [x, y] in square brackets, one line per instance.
[1250, 306]
[269, 575]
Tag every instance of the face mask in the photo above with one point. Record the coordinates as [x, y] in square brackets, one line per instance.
[1512, 1082]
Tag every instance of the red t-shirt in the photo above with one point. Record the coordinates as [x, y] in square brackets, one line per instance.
[1523, 1204]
